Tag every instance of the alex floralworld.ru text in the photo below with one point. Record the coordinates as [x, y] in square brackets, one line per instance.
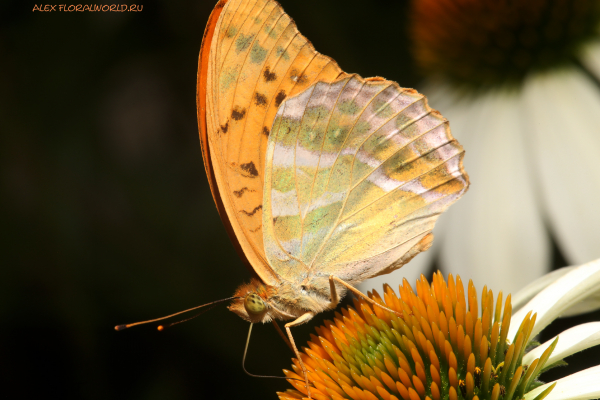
[88, 7]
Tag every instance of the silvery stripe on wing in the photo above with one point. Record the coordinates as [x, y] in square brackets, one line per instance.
[436, 133]
[434, 137]
[316, 97]
[439, 202]
[448, 159]
[415, 186]
[386, 104]
[327, 199]
[283, 156]
[294, 108]
[291, 246]
[333, 93]
[302, 157]
[400, 103]
[413, 114]
[389, 131]
[326, 160]
[284, 204]
[351, 89]
[400, 107]
[367, 92]
[379, 177]
[275, 252]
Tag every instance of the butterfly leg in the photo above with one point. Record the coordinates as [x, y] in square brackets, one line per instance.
[299, 321]
[285, 339]
[357, 292]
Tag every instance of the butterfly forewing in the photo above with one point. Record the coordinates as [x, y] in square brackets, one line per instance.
[257, 59]
[357, 173]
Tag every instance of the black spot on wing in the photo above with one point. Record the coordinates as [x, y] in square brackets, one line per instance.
[251, 213]
[302, 79]
[269, 76]
[250, 168]
[238, 113]
[298, 77]
[239, 193]
[266, 131]
[225, 127]
[280, 98]
[261, 99]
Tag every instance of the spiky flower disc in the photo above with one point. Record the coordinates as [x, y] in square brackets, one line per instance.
[442, 347]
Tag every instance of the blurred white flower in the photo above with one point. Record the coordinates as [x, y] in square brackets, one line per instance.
[557, 294]
[518, 82]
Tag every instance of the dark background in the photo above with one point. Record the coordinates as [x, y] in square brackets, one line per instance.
[107, 217]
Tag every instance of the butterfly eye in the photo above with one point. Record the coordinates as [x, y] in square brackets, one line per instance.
[254, 304]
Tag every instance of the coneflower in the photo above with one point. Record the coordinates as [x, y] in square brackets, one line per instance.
[448, 344]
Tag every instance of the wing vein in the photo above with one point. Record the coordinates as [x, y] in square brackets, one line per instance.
[415, 218]
[405, 183]
[323, 145]
[399, 150]
[272, 221]
[302, 215]
[322, 246]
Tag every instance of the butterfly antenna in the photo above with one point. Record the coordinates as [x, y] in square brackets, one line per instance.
[259, 376]
[163, 327]
[122, 327]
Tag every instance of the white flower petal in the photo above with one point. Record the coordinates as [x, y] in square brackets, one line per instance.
[563, 130]
[591, 303]
[570, 342]
[590, 57]
[421, 264]
[583, 385]
[520, 298]
[550, 303]
[494, 235]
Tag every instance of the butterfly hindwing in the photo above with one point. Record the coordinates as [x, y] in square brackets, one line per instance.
[357, 173]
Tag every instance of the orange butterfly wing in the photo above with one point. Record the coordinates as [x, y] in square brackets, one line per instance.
[252, 58]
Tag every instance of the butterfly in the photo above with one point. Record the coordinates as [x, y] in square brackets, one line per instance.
[322, 179]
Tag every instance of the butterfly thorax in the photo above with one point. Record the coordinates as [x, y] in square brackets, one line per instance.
[284, 301]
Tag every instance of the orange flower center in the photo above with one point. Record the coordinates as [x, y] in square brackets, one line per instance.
[443, 347]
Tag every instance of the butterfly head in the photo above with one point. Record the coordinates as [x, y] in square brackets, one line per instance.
[250, 302]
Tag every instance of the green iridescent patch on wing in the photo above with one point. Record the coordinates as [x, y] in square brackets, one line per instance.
[281, 52]
[348, 107]
[287, 131]
[243, 42]
[284, 180]
[258, 54]
[228, 77]
[382, 109]
[231, 32]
